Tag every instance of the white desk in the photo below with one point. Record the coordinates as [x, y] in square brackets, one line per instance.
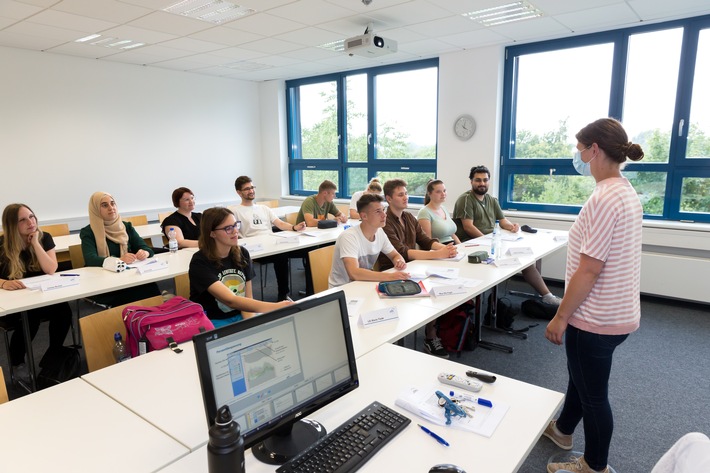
[73, 428]
[383, 373]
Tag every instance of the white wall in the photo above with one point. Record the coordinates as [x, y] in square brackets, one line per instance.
[71, 126]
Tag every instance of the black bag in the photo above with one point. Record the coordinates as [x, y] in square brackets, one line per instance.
[538, 309]
[58, 364]
[505, 313]
[327, 223]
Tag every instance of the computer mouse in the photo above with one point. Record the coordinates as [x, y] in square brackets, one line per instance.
[446, 468]
[528, 229]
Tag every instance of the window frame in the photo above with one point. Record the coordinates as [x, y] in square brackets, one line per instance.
[340, 164]
[677, 167]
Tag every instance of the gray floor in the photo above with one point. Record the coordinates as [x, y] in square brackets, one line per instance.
[659, 384]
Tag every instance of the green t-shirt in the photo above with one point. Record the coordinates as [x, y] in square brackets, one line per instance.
[310, 206]
[483, 213]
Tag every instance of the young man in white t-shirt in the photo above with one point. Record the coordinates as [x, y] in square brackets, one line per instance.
[257, 220]
[357, 248]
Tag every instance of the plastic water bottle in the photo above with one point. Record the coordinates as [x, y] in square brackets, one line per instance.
[497, 245]
[172, 241]
[225, 447]
[120, 350]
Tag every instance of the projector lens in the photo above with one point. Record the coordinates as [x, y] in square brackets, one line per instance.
[379, 42]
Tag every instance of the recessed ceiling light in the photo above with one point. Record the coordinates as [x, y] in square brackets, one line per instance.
[109, 42]
[508, 13]
[337, 46]
[213, 11]
[87, 38]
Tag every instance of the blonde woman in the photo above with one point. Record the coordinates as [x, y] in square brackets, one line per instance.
[373, 187]
[27, 251]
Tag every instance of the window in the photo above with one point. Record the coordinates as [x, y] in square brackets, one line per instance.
[655, 79]
[353, 126]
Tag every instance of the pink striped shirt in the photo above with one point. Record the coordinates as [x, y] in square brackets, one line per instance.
[608, 229]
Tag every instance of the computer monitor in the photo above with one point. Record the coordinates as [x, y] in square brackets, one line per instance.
[276, 368]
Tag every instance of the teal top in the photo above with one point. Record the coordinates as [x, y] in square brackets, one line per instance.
[441, 228]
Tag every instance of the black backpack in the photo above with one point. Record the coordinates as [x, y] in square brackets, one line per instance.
[538, 309]
[58, 364]
[505, 313]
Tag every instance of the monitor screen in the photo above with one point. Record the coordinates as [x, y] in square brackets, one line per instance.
[273, 369]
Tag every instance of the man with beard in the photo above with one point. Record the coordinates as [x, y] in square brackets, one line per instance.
[475, 214]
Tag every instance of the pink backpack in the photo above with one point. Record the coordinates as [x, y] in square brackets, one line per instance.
[170, 323]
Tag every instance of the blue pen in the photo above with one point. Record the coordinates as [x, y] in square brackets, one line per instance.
[66, 274]
[432, 434]
[478, 400]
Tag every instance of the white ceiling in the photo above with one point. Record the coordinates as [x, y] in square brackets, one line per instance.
[281, 39]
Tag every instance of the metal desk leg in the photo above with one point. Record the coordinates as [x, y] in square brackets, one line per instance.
[479, 325]
[30, 354]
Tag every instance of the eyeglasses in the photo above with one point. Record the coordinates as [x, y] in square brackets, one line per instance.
[230, 228]
[249, 189]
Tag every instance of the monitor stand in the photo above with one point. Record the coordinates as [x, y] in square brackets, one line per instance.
[288, 442]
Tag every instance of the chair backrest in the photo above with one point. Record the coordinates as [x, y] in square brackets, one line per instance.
[321, 261]
[344, 208]
[182, 286]
[3, 388]
[269, 203]
[76, 256]
[291, 218]
[57, 229]
[162, 215]
[97, 332]
[136, 220]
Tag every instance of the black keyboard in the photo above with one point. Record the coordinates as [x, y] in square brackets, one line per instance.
[352, 444]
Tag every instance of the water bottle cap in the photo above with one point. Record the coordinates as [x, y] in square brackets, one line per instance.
[117, 336]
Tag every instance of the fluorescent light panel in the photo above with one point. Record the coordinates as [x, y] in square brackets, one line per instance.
[212, 11]
[337, 46]
[109, 42]
[508, 13]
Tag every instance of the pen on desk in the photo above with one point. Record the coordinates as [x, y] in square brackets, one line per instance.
[469, 246]
[67, 274]
[477, 400]
[432, 434]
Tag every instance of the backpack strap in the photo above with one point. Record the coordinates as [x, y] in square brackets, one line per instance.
[173, 345]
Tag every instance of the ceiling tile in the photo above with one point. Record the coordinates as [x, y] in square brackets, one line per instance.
[426, 47]
[417, 11]
[351, 26]
[108, 10]
[171, 23]
[555, 7]
[139, 34]
[83, 50]
[538, 28]
[70, 21]
[403, 35]
[451, 24]
[652, 10]
[595, 18]
[35, 43]
[192, 45]
[6, 22]
[226, 36]
[475, 39]
[361, 8]
[310, 36]
[271, 46]
[264, 24]
[44, 31]
[311, 12]
[264, 5]
[182, 64]
[311, 54]
[17, 10]
[237, 54]
[158, 53]
[40, 3]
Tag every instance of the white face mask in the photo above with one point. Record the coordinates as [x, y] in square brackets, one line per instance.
[583, 168]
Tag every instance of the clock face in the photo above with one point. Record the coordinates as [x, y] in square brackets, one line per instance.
[464, 127]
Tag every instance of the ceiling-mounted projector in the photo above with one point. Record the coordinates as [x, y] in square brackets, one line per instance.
[370, 45]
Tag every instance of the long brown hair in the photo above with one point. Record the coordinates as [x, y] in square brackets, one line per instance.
[430, 188]
[211, 219]
[13, 245]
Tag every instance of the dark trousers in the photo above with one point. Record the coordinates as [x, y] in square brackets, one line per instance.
[589, 358]
[281, 269]
[59, 316]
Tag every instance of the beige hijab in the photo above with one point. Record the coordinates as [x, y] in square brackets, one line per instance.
[114, 230]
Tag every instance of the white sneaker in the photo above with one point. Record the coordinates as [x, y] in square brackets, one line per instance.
[551, 299]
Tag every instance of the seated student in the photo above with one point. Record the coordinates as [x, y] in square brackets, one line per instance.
[374, 187]
[475, 214]
[27, 251]
[405, 234]
[357, 248]
[317, 207]
[258, 220]
[221, 272]
[433, 217]
[107, 235]
[185, 222]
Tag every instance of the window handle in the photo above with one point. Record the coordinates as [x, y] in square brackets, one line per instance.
[552, 171]
[369, 139]
[681, 123]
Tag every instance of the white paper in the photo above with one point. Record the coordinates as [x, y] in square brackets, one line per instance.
[149, 268]
[254, 247]
[507, 262]
[447, 290]
[60, 282]
[447, 273]
[522, 250]
[378, 316]
[424, 403]
[458, 257]
[288, 239]
[417, 274]
[35, 283]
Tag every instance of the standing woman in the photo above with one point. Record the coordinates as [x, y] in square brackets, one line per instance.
[221, 272]
[433, 217]
[107, 235]
[27, 251]
[185, 222]
[602, 303]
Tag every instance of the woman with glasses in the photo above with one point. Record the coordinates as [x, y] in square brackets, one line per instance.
[26, 251]
[185, 222]
[221, 271]
[107, 235]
